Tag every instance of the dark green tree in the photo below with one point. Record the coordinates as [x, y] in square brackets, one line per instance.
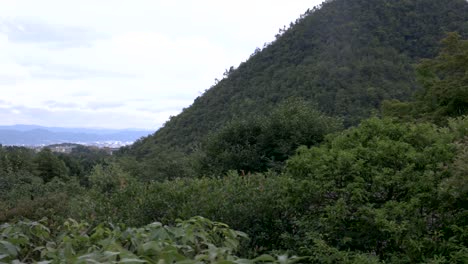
[385, 188]
[260, 143]
[49, 166]
[444, 82]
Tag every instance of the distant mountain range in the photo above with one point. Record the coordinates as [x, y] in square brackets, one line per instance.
[33, 135]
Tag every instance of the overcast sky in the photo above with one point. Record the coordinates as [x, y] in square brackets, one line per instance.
[124, 64]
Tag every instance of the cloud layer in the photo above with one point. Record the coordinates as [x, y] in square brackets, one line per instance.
[120, 64]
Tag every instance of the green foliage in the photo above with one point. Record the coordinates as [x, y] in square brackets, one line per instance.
[34, 185]
[197, 240]
[49, 166]
[258, 144]
[81, 161]
[256, 204]
[162, 164]
[34, 199]
[108, 178]
[16, 160]
[388, 189]
[345, 56]
[382, 192]
[444, 82]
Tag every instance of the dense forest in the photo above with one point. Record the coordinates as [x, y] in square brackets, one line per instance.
[343, 141]
[345, 56]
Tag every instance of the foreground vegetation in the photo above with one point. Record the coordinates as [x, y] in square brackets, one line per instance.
[197, 240]
[383, 191]
[295, 181]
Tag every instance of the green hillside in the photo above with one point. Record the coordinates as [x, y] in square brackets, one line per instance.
[345, 56]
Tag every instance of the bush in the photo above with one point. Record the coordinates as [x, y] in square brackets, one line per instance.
[257, 204]
[387, 189]
[263, 143]
[197, 240]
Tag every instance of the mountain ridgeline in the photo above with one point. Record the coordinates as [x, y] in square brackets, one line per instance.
[345, 57]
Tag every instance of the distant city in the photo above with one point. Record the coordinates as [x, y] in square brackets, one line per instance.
[67, 148]
[39, 136]
[98, 144]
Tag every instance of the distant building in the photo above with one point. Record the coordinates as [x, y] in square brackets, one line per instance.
[62, 148]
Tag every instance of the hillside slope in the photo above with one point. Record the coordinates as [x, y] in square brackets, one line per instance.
[346, 56]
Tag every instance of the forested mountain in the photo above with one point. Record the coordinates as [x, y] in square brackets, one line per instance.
[344, 56]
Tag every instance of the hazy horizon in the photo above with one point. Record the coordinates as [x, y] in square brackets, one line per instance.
[82, 127]
[117, 65]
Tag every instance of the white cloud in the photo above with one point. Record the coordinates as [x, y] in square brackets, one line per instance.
[121, 64]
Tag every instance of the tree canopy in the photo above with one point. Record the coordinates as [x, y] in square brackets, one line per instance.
[345, 56]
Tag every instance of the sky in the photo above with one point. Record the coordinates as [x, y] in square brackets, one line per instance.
[124, 64]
